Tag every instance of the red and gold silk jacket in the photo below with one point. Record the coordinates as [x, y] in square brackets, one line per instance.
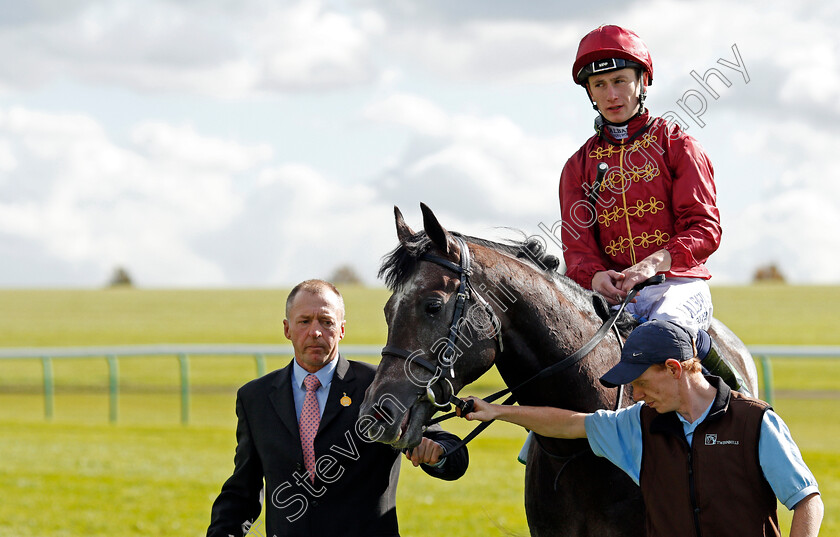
[658, 192]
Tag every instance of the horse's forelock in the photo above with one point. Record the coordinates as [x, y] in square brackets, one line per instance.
[398, 266]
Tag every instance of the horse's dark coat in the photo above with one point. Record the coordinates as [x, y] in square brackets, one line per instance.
[544, 317]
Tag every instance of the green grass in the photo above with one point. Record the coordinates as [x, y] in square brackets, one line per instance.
[780, 314]
[36, 318]
[148, 475]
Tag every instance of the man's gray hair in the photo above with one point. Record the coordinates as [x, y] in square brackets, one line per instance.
[316, 287]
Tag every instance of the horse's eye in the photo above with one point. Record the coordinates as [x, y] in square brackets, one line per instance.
[433, 307]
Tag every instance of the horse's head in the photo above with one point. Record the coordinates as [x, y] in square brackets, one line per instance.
[442, 333]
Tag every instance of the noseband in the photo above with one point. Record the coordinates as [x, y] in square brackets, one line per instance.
[446, 358]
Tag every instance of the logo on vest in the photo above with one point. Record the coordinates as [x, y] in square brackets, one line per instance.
[712, 440]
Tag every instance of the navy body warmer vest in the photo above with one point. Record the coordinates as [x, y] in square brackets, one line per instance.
[715, 487]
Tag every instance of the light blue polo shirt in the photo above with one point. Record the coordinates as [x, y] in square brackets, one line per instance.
[618, 437]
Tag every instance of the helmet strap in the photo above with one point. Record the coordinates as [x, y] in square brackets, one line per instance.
[591, 100]
[642, 92]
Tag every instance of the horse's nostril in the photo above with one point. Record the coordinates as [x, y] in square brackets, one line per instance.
[382, 414]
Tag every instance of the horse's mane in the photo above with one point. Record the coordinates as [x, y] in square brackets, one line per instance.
[400, 263]
[398, 266]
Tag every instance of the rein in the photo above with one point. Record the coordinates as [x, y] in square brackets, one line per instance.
[565, 363]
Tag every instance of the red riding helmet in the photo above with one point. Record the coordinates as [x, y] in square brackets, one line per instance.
[609, 48]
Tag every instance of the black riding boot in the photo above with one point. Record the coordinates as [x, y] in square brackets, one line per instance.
[714, 363]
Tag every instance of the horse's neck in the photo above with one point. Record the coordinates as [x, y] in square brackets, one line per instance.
[546, 320]
[548, 313]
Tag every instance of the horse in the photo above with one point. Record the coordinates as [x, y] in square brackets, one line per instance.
[462, 304]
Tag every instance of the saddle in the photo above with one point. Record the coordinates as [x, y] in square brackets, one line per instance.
[711, 360]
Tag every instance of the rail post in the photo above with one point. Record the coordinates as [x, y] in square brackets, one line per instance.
[49, 387]
[260, 359]
[184, 361]
[767, 375]
[113, 387]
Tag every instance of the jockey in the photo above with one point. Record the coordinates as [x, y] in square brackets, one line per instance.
[654, 210]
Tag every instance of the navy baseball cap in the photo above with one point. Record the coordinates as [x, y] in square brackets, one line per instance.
[650, 343]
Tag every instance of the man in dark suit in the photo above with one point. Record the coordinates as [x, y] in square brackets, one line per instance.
[299, 432]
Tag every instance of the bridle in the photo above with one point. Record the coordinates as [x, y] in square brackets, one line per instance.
[445, 362]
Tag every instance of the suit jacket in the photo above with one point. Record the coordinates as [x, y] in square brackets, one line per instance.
[354, 492]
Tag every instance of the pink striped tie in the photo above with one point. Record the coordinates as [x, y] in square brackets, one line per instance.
[310, 418]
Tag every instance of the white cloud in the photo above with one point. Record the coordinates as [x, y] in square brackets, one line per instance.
[791, 207]
[301, 224]
[308, 47]
[483, 169]
[492, 50]
[792, 230]
[175, 207]
[8, 162]
[86, 200]
[413, 112]
[480, 92]
[790, 51]
[202, 48]
[162, 142]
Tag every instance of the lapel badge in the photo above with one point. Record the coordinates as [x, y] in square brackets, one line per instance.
[346, 401]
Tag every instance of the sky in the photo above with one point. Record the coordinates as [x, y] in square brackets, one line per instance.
[257, 143]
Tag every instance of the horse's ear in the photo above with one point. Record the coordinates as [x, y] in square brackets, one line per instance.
[404, 233]
[435, 231]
